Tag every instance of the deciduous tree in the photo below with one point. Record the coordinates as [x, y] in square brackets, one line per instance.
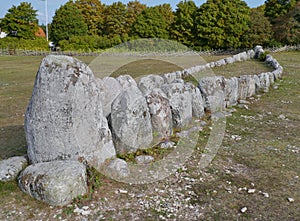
[183, 29]
[67, 22]
[21, 21]
[222, 23]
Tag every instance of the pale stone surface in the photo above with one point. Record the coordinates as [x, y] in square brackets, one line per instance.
[246, 86]
[64, 118]
[56, 183]
[220, 63]
[264, 82]
[110, 88]
[170, 77]
[258, 50]
[144, 159]
[213, 90]
[231, 91]
[127, 82]
[130, 121]
[180, 102]
[148, 83]
[118, 168]
[160, 112]
[197, 100]
[11, 167]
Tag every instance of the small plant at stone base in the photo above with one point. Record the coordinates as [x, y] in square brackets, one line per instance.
[263, 56]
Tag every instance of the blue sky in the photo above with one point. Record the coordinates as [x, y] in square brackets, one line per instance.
[55, 4]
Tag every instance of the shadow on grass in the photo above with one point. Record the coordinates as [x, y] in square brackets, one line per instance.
[12, 141]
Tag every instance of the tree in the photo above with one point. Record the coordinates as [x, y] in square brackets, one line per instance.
[93, 13]
[67, 22]
[260, 29]
[222, 23]
[277, 8]
[287, 27]
[154, 22]
[115, 20]
[134, 8]
[21, 21]
[183, 29]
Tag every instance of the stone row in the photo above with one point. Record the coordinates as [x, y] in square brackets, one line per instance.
[74, 119]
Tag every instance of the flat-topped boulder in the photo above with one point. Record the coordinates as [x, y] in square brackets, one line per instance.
[56, 183]
[64, 119]
[11, 167]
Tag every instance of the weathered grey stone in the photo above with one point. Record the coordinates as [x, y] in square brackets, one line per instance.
[220, 63]
[118, 168]
[212, 64]
[144, 159]
[246, 86]
[110, 88]
[180, 102]
[231, 91]
[127, 82]
[237, 57]
[250, 54]
[197, 100]
[11, 167]
[272, 62]
[148, 83]
[278, 73]
[130, 121]
[229, 60]
[160, 112]
[243, 56]
[213, 91]
[56, 183]
[264, 82]
[271, 77]
[170, 77]
[167, 144]
[64, 119]
[257, 84]
[258, 50]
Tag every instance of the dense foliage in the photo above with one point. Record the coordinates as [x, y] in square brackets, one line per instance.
[89, 25]
[20, 21]
[67, 22]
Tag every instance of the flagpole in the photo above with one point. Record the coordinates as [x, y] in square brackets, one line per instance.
[46, 9]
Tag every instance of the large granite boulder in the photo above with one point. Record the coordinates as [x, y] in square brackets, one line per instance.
[148, 83]
[64, 118]
[247, 86]
[180, 102]
[127, 82]
[231, 91]
[264, 82]
[56, 183]
[11, 167]
[160, 112]
[130, 121]
[213, 91]
[197, 100]
[110, 89]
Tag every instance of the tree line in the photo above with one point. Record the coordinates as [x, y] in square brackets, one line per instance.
[216, 24]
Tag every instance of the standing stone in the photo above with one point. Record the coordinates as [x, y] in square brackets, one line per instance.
[130, 121]
[231, 91]
[160, 112]
[11, 167]
[246, 86]
[56, 183]
[257, 84]
[148, 83]
[197, 100]
[127, 82]
[264, 82]
[110, 88]
[258, 50]
[180, 102]
[213, 90]
[64, 118]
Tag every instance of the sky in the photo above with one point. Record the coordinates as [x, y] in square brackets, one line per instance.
[55, 4]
